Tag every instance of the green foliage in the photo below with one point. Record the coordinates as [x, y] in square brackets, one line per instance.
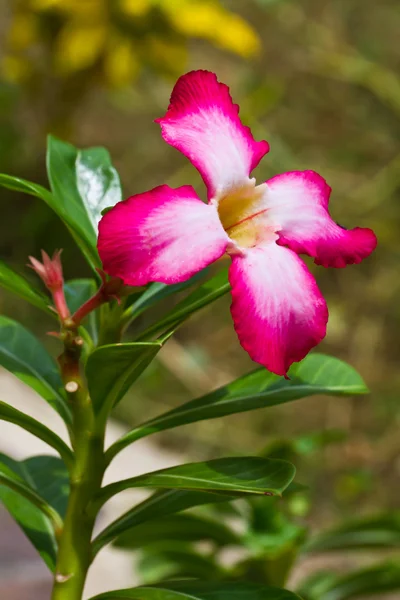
[16, 284]
[157, 506]
[12, 415]
[77, 292]
[316, 374]
[248, 475]
[200, 591]
[35, 492]
[373, 581]
[83, 183]
[379, 531]
[91, 377]
[26, 358]
[112, 369]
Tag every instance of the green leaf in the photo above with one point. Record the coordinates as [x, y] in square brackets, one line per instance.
[184, 527]
[375, 580]
[316, 374]
[111, 370]
[12, 415]
[194, 590]
[24, 356]
[155, 293]
[67, 201]
[35, 492]
[83, 183]
[378, 531]
[248, 475]
[17, 284]
[158, 505]
[176, 560]
[86, 242]
[209, 291]
[97, 181]
[77, 292]
[17, 184]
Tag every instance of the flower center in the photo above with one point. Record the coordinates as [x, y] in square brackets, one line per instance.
[244, 215]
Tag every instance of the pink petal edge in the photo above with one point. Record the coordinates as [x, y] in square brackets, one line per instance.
[279, 313]
[298, 201]
[165, 235]
[203, 123]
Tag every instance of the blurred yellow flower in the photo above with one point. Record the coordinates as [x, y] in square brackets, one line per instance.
[135, 8]
[210, 20]
[23, 32]
[78, 47]
[121, 64]
[113, 35]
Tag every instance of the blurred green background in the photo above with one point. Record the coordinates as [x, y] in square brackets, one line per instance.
[318, 80]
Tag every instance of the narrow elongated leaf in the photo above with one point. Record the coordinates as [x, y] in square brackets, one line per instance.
[17, 284]
[209, 291]
[157, 292]
[176, 560]
[35, 492]
[83, 183]
[77, 230]
[77, 292]
[379, 531]
[24, 356]
[111, 370]
[26, 187]
[247, 475]
[97, 182]
[195, 590]
[316, 374]
[12, 415]
[158, 505]
[372, 581]
[184, 527]
[61, 160]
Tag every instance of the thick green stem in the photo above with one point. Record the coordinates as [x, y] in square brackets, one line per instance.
[74, 554]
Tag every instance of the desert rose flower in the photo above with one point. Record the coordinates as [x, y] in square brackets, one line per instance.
[167, 235]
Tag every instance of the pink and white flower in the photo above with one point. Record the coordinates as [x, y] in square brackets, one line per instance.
[167, 235]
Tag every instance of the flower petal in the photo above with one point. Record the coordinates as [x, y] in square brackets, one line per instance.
[278, 311]
[164, 235]
[203, 123]
[298, 201]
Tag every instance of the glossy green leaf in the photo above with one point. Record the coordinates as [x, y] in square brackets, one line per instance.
[247, 475]
[12, 415]
[160, 504]
[35, 493]
[183, 527]
[111, 370]
[77, 292]
[68, 203]
[194, 590]
[156, 292]
[86, 242]
[26, 187]
[97, 181]
[373, 581]
[209, 291]
[24, 356]
[378, 531]
[316, 374]
[17, 284]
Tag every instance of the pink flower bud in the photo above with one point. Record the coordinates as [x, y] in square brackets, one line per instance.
[50, 271]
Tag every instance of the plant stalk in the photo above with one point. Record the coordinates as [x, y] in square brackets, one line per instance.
[74, 542]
